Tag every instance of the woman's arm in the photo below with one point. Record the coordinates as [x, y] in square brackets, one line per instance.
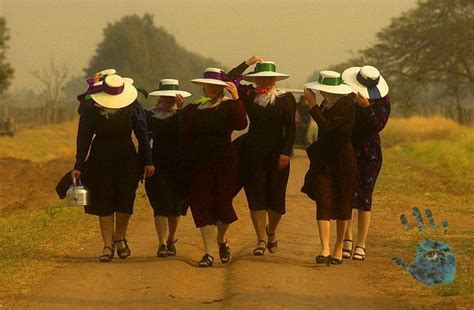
[238, 114]
[378, 114]
[140, 129]
[289, 124]
[85, 132]
[344, 113]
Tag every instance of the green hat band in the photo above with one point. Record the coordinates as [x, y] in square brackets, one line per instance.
[265, 66]
[168, 87]
[332, 81]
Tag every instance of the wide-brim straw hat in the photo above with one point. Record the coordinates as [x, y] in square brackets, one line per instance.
[116, 92]
[169, 88]
[265, 69]
[367, 81]
[330, 82]
[214, 76]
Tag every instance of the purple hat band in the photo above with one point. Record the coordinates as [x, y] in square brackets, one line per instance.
[221, 76]
[106, 88]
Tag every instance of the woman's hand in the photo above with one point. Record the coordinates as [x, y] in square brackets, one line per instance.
[75, 174]
[310, 97]
[149, 171]
[283, 161]
[362, 101]
[232, 90]
[179, 101]
[253, 60]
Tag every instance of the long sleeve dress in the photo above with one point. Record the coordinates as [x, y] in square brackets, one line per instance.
[166, 189]
[332, 175]
[107, 156]
[212, 160]
[271, 133]
[369, 122]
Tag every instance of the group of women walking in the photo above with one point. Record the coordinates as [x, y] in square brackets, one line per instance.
[193, 162]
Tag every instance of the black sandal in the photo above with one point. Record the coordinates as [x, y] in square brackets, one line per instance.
[347, 253]
[171, 249]
[271, 246]
[206, 261]
[358, 256]
[224, 252]
[321, 259]
[336, 261]
[260, 250]
[107, 258]
[162, 251]
[125, 252]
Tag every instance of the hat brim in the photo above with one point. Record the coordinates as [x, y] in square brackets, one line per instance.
[126, 98]
[342, 89]
[169, 93]
[349, 76]
[208, 81]
[252, 76]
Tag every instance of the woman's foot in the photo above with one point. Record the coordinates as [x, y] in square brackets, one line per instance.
[107, 254]
[171, 248]
[321, 259]
[162, 251]
[224, 252]
[347, 249]
[337, 255]
[206, 261]
[336, 261]
[123, 250]
[359, 253]
[260, 249]
[272, 243]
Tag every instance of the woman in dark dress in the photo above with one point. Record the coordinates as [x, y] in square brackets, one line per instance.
[208, 126]
[331, 178]
[264, 152]
[165, 189]
[372, 113]
[108, 114]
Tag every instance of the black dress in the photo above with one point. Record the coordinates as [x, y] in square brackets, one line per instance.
[271, 133]
[166, 189]
[113, 168]
[332, 176]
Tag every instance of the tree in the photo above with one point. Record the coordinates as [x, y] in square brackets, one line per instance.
[432, 44]
[6, 70]
[136, 48]
[53, 79]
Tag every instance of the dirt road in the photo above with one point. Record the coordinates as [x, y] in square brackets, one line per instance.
[288, 279]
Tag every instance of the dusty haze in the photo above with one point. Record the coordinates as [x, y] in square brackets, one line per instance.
[300, 36]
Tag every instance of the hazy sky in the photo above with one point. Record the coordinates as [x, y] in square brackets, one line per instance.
[300, 36]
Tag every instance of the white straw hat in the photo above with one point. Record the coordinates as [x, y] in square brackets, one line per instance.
[169, 88]
[213, 76]
[367, 81]
[265, 69]
[116, 92]
[330, 82]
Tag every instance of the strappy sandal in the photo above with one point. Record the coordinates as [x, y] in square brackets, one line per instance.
[224, 252]
[358, 256]
[171, 249]
[347, 253]
[260, 250]
[125, 252]
[206, 261]
[271, 246]
[107, 258]
[321, 259]
[162, 251]
[336, 261]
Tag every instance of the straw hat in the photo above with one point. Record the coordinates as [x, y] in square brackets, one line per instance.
[265, 69]
[366, 80]
[169, 88]
[330, 82]
[213, 76]
[115, 92]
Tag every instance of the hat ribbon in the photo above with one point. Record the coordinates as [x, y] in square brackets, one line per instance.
[106, 88]
[331, 81]
[260, 66]
[168, 87]
[370, 84]
[222, 77]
